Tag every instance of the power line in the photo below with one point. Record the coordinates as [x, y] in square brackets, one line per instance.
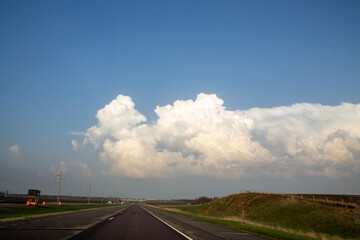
[20, 173]
[102, 197]
[89, 193]
[64, 183]
[25, 174]
[23, 183]
[60, 179]
[74, 187]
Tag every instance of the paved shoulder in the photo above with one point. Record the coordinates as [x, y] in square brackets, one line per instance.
[201, 230]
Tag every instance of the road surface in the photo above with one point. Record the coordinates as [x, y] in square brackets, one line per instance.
[59, 226]
[201, 230]
[144, 223]
[134, 224]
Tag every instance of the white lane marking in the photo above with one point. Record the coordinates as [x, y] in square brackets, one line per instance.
[111, 218]
[182, 234]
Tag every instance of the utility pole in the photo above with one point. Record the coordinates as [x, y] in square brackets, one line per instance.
[102, 197]
[89, 193]
[60, 179]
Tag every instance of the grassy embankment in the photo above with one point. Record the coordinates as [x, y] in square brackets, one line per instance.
[18, 212]
[280, 216]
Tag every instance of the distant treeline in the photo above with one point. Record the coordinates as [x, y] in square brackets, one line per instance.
[172, 202]
[22, 198]
[203, 199]
[175, 202]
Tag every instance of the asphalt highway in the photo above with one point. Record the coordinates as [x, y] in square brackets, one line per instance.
[145, 223]
[59, 226]
[134, 224]
[201, 230]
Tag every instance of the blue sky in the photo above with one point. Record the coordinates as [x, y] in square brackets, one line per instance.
[62, 61]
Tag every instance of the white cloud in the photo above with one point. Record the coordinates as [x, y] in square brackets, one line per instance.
[14, 150]
[83, 166]
[76, 145]
[201, 137]
[115, 121]
[77, 133]
[64, 166]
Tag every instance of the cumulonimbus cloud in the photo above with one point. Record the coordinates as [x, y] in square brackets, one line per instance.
[201, 137]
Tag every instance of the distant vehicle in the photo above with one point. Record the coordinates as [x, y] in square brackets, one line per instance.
[33, 197]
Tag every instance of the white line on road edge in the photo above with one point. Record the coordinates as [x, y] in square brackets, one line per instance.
[182, 234]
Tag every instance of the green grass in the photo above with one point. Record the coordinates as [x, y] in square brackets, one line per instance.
[272, 233]
[27, 211]
[275, 210]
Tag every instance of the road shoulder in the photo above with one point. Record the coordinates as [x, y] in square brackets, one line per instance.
[200, 230]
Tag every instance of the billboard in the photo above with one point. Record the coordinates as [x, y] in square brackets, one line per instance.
[34, 192]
